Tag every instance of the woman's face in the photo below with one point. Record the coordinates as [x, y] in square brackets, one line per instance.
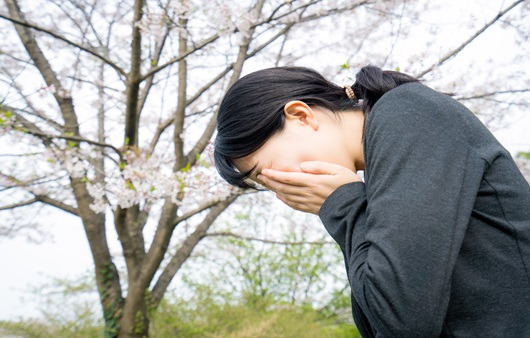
[309, 134]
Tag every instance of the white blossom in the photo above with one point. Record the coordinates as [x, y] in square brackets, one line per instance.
[153, 23]
[224, 20]
[182, 10]
[97, 191]
[44, 90]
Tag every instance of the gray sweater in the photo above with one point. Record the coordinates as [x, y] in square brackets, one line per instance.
[437, 240]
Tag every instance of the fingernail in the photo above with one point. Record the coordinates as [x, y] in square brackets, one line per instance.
[260, 177]
[265, 171]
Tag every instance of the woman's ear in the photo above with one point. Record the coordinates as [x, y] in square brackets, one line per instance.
[299, 111]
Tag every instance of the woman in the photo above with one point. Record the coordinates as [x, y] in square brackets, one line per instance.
[436, 241]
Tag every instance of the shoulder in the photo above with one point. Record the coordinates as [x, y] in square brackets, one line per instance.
[414, 107]
[416, 99]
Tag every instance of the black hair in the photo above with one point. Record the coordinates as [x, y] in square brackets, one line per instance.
[252, 110]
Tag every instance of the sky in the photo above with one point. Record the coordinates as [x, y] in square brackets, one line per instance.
[25, 265]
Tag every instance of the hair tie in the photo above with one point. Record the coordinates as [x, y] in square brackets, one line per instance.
[349, 92]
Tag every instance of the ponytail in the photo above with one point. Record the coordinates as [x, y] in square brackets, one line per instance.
[372, 82]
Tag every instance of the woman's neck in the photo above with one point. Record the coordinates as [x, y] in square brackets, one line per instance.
[352, 129]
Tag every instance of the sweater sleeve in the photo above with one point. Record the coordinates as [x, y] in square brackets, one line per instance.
[401, 232]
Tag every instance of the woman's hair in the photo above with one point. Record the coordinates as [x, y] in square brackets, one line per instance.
[252, 110]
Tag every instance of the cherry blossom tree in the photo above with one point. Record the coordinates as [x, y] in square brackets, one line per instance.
[114, 111]
[108, 110]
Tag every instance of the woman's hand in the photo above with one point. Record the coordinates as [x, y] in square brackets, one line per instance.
[307, 190]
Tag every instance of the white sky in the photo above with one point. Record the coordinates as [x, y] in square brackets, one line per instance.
[24, 264]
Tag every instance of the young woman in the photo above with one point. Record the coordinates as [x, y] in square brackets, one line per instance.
[436, 240]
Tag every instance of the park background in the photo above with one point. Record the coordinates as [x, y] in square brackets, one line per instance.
[112, 218]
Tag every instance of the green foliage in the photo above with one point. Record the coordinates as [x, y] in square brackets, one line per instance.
[5, 115]
[252, 289]
[262, 290]
[71, 144]
[111, 312]
[206, 312]
[186, 168]
[524, 155]
[8, 114]
[206, 316]
[67, 311]
[287, 273]
[139, 323]
[80, 327]
[129, 185]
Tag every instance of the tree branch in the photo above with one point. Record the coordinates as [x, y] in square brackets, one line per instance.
[126, 242]
[457, 50]
[156, 137]
[58, 204]
[209, 40]
[76, 139]
[32, 129]
[28, 125]
[209, 84]
[238, 67]
[186, 248]
[44, 67]
[481, 96]
[178, 120]
[194, 212]
[133, 79]
[269, 241]
[179, 57]
[18, 205]
[163, 126]
[159, 47]
[333, 11]
[24, 23]
[34, 111]
[149, 83]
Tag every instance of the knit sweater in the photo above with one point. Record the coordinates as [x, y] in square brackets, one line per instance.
[436, 240]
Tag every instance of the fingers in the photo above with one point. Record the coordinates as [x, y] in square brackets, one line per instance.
[299, 204]
[322, 168]
[289, 193]
[306, 191]
[287, 177]
[281, 187]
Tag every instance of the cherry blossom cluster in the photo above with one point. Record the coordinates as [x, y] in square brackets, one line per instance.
[153, 23]
[146, 178]
[229, 19]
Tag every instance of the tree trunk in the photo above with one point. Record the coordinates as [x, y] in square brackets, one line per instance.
[135, 318]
